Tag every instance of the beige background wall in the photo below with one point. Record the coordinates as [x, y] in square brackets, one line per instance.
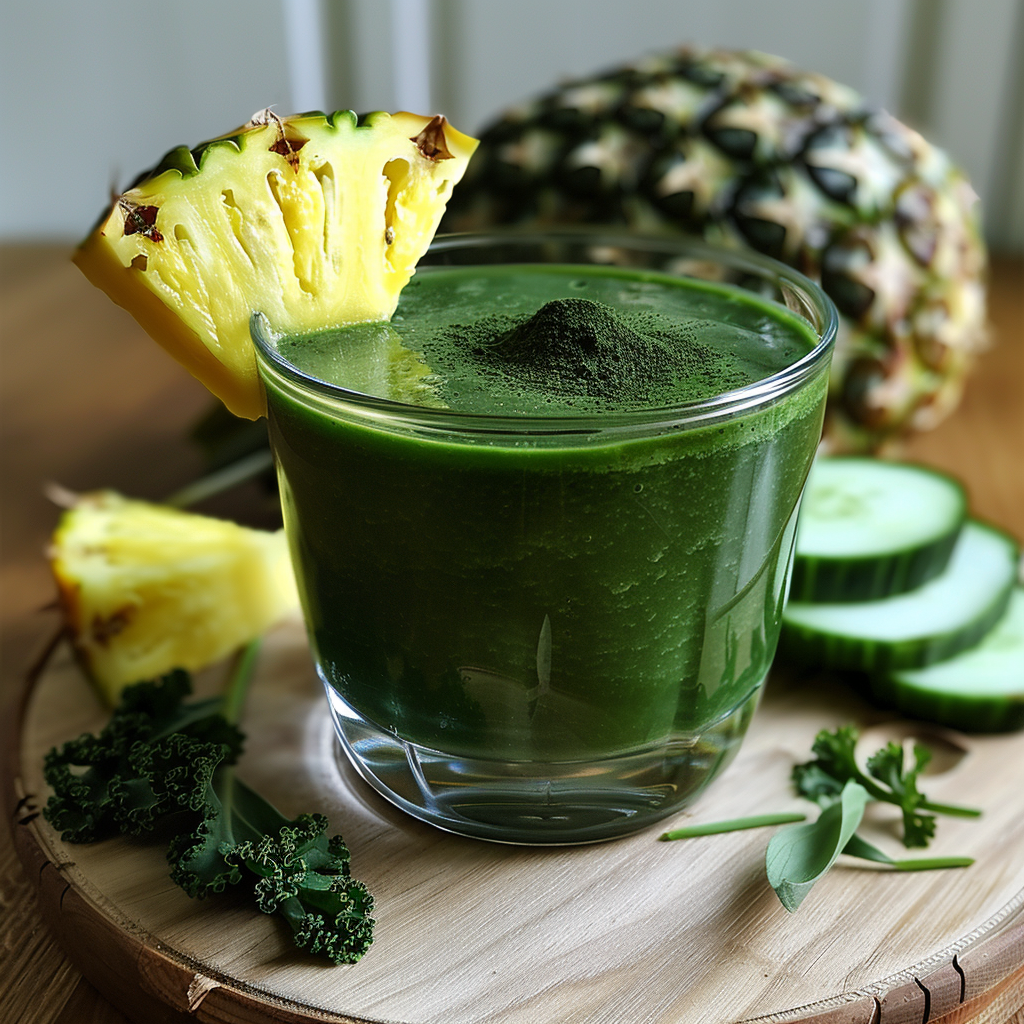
[93, 92]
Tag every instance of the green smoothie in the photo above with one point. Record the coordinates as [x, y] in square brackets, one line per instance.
[518, 549]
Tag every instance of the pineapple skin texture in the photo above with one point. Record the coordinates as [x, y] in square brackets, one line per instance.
[147, 588]
[746, 150]
[316, 221]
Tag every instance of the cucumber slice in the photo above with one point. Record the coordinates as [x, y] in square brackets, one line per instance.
[980, 690]
[937, 620]
[871, 529]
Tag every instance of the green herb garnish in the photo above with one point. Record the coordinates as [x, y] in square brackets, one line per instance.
[162, 761]
[800, 855]
[888, 779]
[713, 828]
[857, 847]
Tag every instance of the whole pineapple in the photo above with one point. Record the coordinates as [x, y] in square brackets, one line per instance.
[746, 150]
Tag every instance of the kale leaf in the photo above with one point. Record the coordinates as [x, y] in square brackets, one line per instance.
[155, 756]
[160, 760]
[292, 866]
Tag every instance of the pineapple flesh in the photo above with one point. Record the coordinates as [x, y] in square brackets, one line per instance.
[744, 149]
[147, 588]
[315, 221]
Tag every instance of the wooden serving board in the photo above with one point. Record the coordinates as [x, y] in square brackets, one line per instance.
[469, 932]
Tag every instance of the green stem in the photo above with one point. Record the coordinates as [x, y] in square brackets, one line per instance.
[238, 685]
[932, 863]
[221, 480]
[953, 810]
[196, 711]
[879, 793]
[857, 847]
[734, 825]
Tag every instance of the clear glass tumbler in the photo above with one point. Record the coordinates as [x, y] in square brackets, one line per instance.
[551, 629]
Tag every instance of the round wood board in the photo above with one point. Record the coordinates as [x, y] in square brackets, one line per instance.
[469, 932]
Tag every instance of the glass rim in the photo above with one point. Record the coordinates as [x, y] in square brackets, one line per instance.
[760, 393]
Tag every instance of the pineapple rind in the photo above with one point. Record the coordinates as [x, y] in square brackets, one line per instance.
[147, 588]
[323, 232]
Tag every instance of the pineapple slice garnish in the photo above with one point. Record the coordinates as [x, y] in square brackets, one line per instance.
[147, 588]
[315, 221]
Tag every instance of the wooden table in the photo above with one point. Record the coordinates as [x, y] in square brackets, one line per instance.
[87, 401]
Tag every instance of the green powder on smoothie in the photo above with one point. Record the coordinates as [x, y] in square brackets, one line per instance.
[585, 356]
[569, 341]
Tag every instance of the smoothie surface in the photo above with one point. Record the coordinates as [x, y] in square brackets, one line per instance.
[556, 341]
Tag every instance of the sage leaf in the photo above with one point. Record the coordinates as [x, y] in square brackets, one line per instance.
[801, 854]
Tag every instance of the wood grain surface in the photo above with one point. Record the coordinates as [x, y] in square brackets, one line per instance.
[89, 402]
[474, 933]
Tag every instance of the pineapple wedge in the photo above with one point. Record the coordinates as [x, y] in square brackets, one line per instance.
[147, 588]
[315, 221]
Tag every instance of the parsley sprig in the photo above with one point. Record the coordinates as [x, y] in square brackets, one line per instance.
[889, 778]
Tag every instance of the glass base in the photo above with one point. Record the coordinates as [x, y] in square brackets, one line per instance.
[539, 803]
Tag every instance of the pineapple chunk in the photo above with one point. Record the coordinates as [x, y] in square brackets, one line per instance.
[148, 588]
[315, 221]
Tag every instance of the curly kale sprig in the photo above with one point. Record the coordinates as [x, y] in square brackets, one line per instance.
[293, 868]
[155, 756]
[888, 778]
[161, 760]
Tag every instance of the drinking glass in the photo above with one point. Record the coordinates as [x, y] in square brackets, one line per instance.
[551, 629]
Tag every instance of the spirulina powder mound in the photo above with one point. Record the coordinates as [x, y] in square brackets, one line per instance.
[583, 356]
